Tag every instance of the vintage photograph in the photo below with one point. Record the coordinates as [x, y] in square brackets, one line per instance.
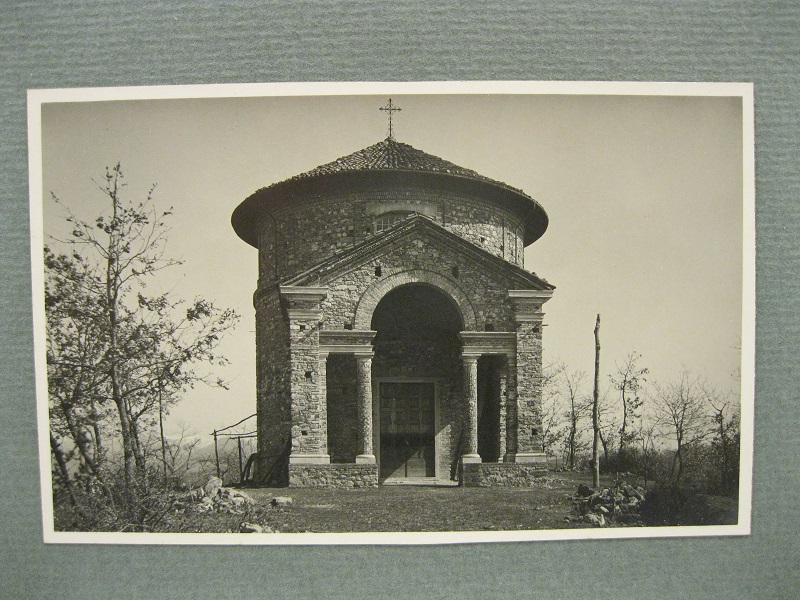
[393, 313]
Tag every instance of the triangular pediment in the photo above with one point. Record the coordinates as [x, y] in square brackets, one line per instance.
[417, 228]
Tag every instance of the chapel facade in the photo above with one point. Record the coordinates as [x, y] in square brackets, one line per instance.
[398, 334]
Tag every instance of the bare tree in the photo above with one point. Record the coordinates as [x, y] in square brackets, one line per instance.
[118, 358]
[725, 437]
[628, 382]
[646, 459]
[552, 409]
[681, 412]
[577, 408]
[609, 424]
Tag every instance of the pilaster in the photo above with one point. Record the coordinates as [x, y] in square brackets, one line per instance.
[309, 422]
[528, 316]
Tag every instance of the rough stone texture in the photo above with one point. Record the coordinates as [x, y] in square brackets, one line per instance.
[332, 222]
[529, 387]
[273, 369]
[333, 476]
[309, 416]
[482, 291]
[470, 366]
[365, 404]
[501, 475]
[467, 250]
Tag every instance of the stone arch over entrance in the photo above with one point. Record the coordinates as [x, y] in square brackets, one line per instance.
[375, 293]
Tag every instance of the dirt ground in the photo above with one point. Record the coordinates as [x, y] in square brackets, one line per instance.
[401, 508]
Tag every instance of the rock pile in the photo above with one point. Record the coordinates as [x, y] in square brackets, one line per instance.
[213, 497]
[609, 506]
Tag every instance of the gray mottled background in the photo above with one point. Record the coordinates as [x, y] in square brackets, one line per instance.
[109, 44]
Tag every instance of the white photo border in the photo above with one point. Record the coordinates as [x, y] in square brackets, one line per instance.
[38, 97]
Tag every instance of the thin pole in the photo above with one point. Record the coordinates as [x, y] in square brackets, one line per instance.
[163, 440]
[216, 452]
[241, 467]
[596, 409]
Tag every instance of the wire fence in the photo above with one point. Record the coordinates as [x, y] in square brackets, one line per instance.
[242, 449]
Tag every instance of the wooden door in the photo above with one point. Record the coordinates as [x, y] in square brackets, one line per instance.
[407, 430]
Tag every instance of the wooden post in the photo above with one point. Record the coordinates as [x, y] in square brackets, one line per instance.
[216, 452]
[163, 439]
[241, 468]
[596, 409]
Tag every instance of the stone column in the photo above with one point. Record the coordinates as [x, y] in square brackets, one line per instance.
[364, 380]
[502, 398]
[471, 397]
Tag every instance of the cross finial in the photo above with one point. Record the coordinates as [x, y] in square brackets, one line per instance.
[390, 108]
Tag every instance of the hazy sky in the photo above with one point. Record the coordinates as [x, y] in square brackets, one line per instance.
[644, 195]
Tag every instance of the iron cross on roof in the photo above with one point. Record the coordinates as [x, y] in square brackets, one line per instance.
[390, 108]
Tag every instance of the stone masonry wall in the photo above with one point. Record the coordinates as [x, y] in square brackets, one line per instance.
[485, 291]
[487, 294]
[290, 377]
[333, 476]
[273, 387]
[501, 474]
[529, 387]
[299, 236]
[309, 415]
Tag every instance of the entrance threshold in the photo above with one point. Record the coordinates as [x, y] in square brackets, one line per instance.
[419, 481]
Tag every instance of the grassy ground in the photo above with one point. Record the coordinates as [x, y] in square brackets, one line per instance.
[402, 508]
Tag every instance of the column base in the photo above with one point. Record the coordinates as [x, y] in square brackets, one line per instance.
[366, 459]
[470, 458]
[309, 459]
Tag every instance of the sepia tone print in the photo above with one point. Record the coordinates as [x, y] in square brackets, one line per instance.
[513, 315]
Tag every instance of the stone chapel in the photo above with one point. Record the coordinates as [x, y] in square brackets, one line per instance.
[398, 334]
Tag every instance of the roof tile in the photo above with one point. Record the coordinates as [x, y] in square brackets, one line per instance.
[390, 154]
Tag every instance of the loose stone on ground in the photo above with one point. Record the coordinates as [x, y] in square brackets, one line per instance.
[620, 505]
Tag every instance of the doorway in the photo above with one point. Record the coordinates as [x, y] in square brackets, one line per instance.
[407, 430]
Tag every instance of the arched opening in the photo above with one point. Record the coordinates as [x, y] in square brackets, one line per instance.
[414, 312]
[415, 370]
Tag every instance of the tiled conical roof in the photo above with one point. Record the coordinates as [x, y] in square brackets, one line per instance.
[391, 158]
[391, 155]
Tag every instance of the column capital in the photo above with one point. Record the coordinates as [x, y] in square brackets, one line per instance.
[300, 293]
[528, 304]
[346, 341]
[541, 296]
[303, 302]
[478, 343]
[304, 314]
